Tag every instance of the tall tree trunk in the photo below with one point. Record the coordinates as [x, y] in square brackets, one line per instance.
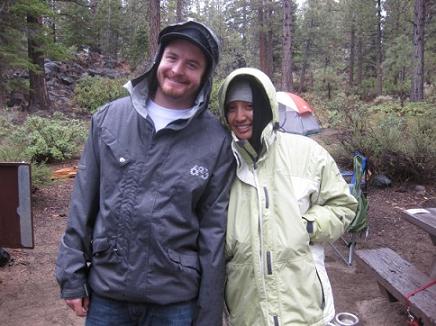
[287, 80]
[325, 81]
[359, 77]
[352, 54]
[244, 24]
[153, 34]
[179, 10]
[304, 65]
[262, 39]
[93, 6]
[379, 81]
[417, 91]
[269, 38]
[306, 54]
[154, 26]
[38, 96]
[53, 20]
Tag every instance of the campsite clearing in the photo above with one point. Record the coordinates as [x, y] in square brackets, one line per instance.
[30, 295]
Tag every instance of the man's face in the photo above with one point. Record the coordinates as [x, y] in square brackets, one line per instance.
[179, 74]
[240, 118]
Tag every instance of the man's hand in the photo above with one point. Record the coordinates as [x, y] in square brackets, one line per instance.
[79, 306]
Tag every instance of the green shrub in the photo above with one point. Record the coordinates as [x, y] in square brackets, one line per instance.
[409, 109]
[93, 92]
[399, 146]
[213, 103]
[45, 140]
[334, 113]
[5, 127]
[40, 172]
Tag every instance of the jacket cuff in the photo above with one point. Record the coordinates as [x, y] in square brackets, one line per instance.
[76, 293]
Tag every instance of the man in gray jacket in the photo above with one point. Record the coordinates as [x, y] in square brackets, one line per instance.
[147, 219]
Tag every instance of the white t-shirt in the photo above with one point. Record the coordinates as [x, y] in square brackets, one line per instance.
[162, 116]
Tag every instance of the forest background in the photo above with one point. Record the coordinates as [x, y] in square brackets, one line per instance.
[367, 66]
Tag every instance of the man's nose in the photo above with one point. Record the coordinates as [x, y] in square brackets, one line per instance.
[177, 67]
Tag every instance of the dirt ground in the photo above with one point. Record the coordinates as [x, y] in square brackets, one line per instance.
[30, 296]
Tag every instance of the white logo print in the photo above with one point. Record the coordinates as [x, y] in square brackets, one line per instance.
[200, 171]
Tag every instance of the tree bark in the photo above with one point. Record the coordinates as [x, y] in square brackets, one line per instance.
[179, 10]
[153, 35]
[417, 91]
[352, 54]
[262, 39]
[306, 54]
[359, 76]
[154, 26]
[269, 38]
[287, 80]
[379, 81]
[38, 95]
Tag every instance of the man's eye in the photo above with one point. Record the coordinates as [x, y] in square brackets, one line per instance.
[170, 58]
[192, 66]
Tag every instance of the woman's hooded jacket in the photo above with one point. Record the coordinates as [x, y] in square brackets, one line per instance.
[287, 195]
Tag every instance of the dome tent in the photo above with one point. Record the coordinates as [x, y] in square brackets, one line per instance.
[296, 115]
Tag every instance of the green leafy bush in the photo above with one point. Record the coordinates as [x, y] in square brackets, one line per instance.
[5, 127]
[45, 140]
[93, 92]
[213, 102]
[40, 172]
[401, 146]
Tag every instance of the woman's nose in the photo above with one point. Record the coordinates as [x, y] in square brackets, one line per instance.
[240, 114]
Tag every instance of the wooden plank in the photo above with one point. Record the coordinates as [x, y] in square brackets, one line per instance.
[425, 218]
[399, 277]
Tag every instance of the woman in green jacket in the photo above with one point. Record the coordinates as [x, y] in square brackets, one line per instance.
[288, 196]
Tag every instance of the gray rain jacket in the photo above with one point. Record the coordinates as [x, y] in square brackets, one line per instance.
[147, 216]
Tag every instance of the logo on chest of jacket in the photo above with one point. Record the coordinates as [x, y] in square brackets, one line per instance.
[200, 171]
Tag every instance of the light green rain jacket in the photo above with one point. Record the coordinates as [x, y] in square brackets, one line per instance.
[272, 277]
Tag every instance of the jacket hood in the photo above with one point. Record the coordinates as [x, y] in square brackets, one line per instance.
[143, 86]
[265, 106]
[197, 33]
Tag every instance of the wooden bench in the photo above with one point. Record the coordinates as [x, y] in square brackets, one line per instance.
[397, 277]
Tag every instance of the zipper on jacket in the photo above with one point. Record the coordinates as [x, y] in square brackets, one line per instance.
[260, 229]
[269, 262]
[322, 290]
[266, 197]
[276, 320]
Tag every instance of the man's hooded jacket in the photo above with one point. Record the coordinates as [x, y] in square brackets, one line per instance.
[288, 194]
[148, 212]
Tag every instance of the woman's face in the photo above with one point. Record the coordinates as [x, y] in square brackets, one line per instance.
[240, 118]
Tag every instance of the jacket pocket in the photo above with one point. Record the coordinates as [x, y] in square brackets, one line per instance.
[103, 252]
[188, 261]
[119, 153]
[323, 298]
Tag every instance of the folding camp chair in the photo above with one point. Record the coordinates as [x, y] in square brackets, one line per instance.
[358, 227]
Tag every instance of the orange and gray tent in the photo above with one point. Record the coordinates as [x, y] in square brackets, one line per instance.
[296, 115]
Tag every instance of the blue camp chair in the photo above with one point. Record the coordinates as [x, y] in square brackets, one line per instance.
[358, 227]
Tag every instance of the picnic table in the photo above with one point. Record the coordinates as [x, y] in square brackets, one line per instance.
[400, 280]
[424, 218]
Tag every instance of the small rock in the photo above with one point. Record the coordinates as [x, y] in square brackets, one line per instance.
[4, 257]
[420, 190]
[381, 181]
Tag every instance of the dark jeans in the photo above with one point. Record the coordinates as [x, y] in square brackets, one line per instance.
[107, 312]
